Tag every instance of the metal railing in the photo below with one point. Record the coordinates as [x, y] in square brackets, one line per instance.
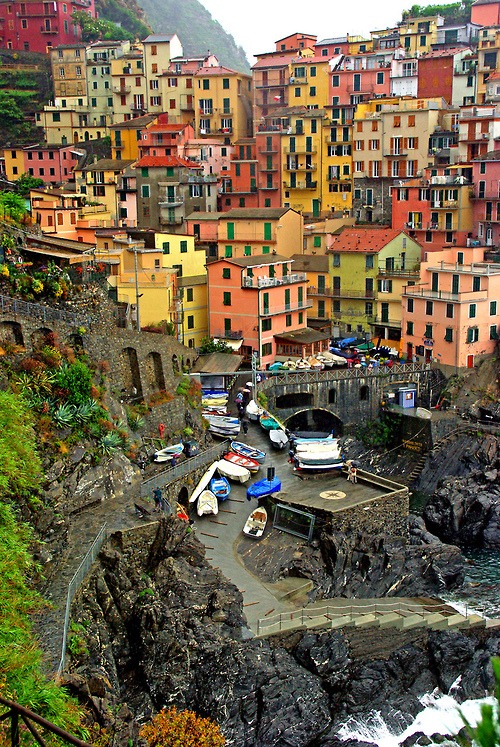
[183, 468]
[310, 617]
[343, 374]
[37, 311]
[18, 712]
[74, 585]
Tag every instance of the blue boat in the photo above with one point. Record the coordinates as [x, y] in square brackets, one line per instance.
[248, 451]
[220, 487]
[264, 487]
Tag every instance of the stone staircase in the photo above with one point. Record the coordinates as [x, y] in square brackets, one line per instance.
[401, 614]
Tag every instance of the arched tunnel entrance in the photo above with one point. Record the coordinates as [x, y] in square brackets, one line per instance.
[315, 419]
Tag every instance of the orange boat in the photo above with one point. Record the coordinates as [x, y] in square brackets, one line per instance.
[242, 461]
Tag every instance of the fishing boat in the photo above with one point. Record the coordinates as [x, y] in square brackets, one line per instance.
[264, 487]
[268, 423]
[302, 436]
[233, 471]
[223, 425]
[254, 411]
[207, 504]
[242, 461]
[336, 464]
[181, 512]
[315, 364]
[320, 458]
[214, 410]
[203, 483]
[166, 454]
[220, 487]
[302, 365]
[278, 439]
[223, 432]
[248, 451]
[256, 523]
[316, 446]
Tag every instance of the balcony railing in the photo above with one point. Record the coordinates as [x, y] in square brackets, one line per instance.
[268, 282]
[472, 269]
[171, 220]
[197, 178]
[313, 290]
[399, 272]
[169, 202]
[396, 153]
[121, 89]
[427, 293]
[382, 319]
[229, 334]
[300, 185]
[287, 308]
[300, 167]
[300, 149]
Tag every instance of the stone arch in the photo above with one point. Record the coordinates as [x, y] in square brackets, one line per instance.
[154, 372]
[315, 419]
[183, 497]
[364, 393]
[12, 332]
[131, 375]
[76, 341]
[294, 399]
[39, 337]
[187, 363]
[175, 364]
[332, 396]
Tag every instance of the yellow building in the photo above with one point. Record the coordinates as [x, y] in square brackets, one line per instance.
[63, 126]
[309, 82]
[223, 103]
[138, 278]
[319, 292]
[69, 70]
[336, 167]
[181, 254]
[419, 34]
[99, 180]
[126, 136]
[129, 85]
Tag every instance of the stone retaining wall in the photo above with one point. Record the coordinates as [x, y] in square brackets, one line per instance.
[386, 515]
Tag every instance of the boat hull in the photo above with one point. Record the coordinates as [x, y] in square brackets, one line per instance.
[263, 488]
[207, 504]
[256, 524]
[278, 438]
[233, 471]
[248, 451]
[242, 461]
[203, 482]
[220, 487]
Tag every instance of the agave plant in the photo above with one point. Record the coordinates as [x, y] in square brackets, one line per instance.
[64, 416]
[85, 411]
[110, 443]
[135, 422]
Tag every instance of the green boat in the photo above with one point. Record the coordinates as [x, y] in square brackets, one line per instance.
[268, 422]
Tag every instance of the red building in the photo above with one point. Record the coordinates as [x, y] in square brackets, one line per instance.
[486, 200]
[361, 77]
[163, 139]
[39, 25]
[435, 74]
[239, 184]
[485, 13]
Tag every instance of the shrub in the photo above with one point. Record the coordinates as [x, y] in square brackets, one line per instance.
[77, 379]
[110, 443]
[172, 728]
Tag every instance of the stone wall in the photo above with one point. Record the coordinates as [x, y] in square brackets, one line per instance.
[386, 515]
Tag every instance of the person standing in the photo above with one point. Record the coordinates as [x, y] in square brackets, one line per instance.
[158, 499]
[245, 425]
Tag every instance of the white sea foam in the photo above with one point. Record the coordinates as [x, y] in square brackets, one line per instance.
[441, 715]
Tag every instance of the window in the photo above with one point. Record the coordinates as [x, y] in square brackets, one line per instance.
[449, 311]
[226, 298]
[448, 335]
[476, 283]
[385, 286]
[267, 232]
[267, 349]
[206, 84]
[473, 334]
[335, 81]
[397, 121]
[380, 79]
[56, 116]
[409, 305]
[369, 262]
[409, 328]
[317, 241]
[190, 322]
[145, 190]
[266, 325]
[184, 247]
[230, 231]
[225, 82]
[228, 252]
[493, 332]
[166, 247]
[493, 308]
[429, 308]
[312, 91]
[336, 260]
[226, 272]
[428, 331]
[189, 295]
[472, 311]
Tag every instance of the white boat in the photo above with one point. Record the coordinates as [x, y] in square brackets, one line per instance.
[323, 467]
[233, 471]
[319, 457]
[256, 523]
[224, 432]
[166, 454]
[278, 438]
[330, 359]
[317, 446]
[207, 503]
[202, 484]
[222, 421]
[315, 364]
[254, 411]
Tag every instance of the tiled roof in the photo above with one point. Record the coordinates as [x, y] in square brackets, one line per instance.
[274, 61]
[310, 262]
[217, 70]
[258, 213]
[493, 155]
[107, 164]
[152, 38]
[337, 40]
[166, 161]
[303, 336]
[357, 239]
[256, 261]
[167, 127]
[134, 124]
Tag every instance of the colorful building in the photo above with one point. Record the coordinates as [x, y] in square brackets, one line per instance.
[317, 269]
[126, 137]
[239, 181]
[452, 316]
[256, 299]
[244, 232]
[485, 196]
[223, 103]
[38, 26]
[54, 165]
[99, 182]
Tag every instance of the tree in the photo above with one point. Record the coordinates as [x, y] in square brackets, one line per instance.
[97, 28]
[209, 345]
[171, 728]
[27, 182]
[12, 206]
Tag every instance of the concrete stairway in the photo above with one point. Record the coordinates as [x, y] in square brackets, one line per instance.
[401, 614]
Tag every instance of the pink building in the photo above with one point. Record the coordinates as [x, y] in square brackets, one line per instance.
[256, 300]
[452, 316]
[486, 200]
[39, 25]
[360, 77]
[164, 139]
[51, 163]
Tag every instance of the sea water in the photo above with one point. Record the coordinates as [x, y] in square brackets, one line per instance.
[481, 590]
[440, 714]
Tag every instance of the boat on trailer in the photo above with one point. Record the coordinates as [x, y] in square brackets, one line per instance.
[256, 523]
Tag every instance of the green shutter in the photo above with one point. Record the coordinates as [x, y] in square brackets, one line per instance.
[267, 232]
[230, 231]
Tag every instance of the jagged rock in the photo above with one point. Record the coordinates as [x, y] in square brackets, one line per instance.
[100, 482]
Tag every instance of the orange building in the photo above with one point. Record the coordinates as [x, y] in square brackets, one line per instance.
[485, 13]
[255, 300]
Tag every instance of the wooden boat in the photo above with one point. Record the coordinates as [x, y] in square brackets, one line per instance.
[248, 451]
[315, 364]
[278, 438]
[242, 461]
[214, 401]
[207, 504]
[302, 365]
[220, 487]
[166, 454]
[222, 421]
[203, 483]
[264, 487]
[181, 512]
[253, 410]
[309, 436]
[329, 466]
[256, 523]
[268, 423]
[215, 410]
[233, 471]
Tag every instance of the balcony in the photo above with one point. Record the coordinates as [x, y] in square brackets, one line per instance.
[444, 205]
[433, 226]
[361, 89]
[206, 112]
[300, 149]
[197, 179]
[261, 101]
[386, 321]
[300, 185]
[53, 30]
[286, 309]
[301, 81]
[169, 202]
[396, 154]
[414, 291]
[414, 226]
[473, 269]
[121, 89]
[229, 334]
[271, 83]
[300, 167]
[169, 220]
[399, 273]
[268, 282]
[313, 290]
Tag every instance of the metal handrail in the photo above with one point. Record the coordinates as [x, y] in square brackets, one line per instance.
[16, 710]
[342, 374]
[9, 305]
[208, 456]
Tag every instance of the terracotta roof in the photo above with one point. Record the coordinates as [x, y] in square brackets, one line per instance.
[357, 239]
[256, 261]
[303, 336]
[167, 127]
[217, 362]
[281, 61]
[337, 40]
[219, 70]
[166, 161]
[493, 155]
[152, 38]
[449, 52]
[310, 262]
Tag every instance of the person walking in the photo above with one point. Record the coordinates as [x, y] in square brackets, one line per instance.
[158, 499]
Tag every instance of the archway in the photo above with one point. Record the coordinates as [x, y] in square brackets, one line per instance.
[175, 364]
[183, 497]
[41, 337]
[12, 332]
[364, 393]
[294, 399]
[315, 419]
[76, 341]
[154, 372]
[130, 372]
